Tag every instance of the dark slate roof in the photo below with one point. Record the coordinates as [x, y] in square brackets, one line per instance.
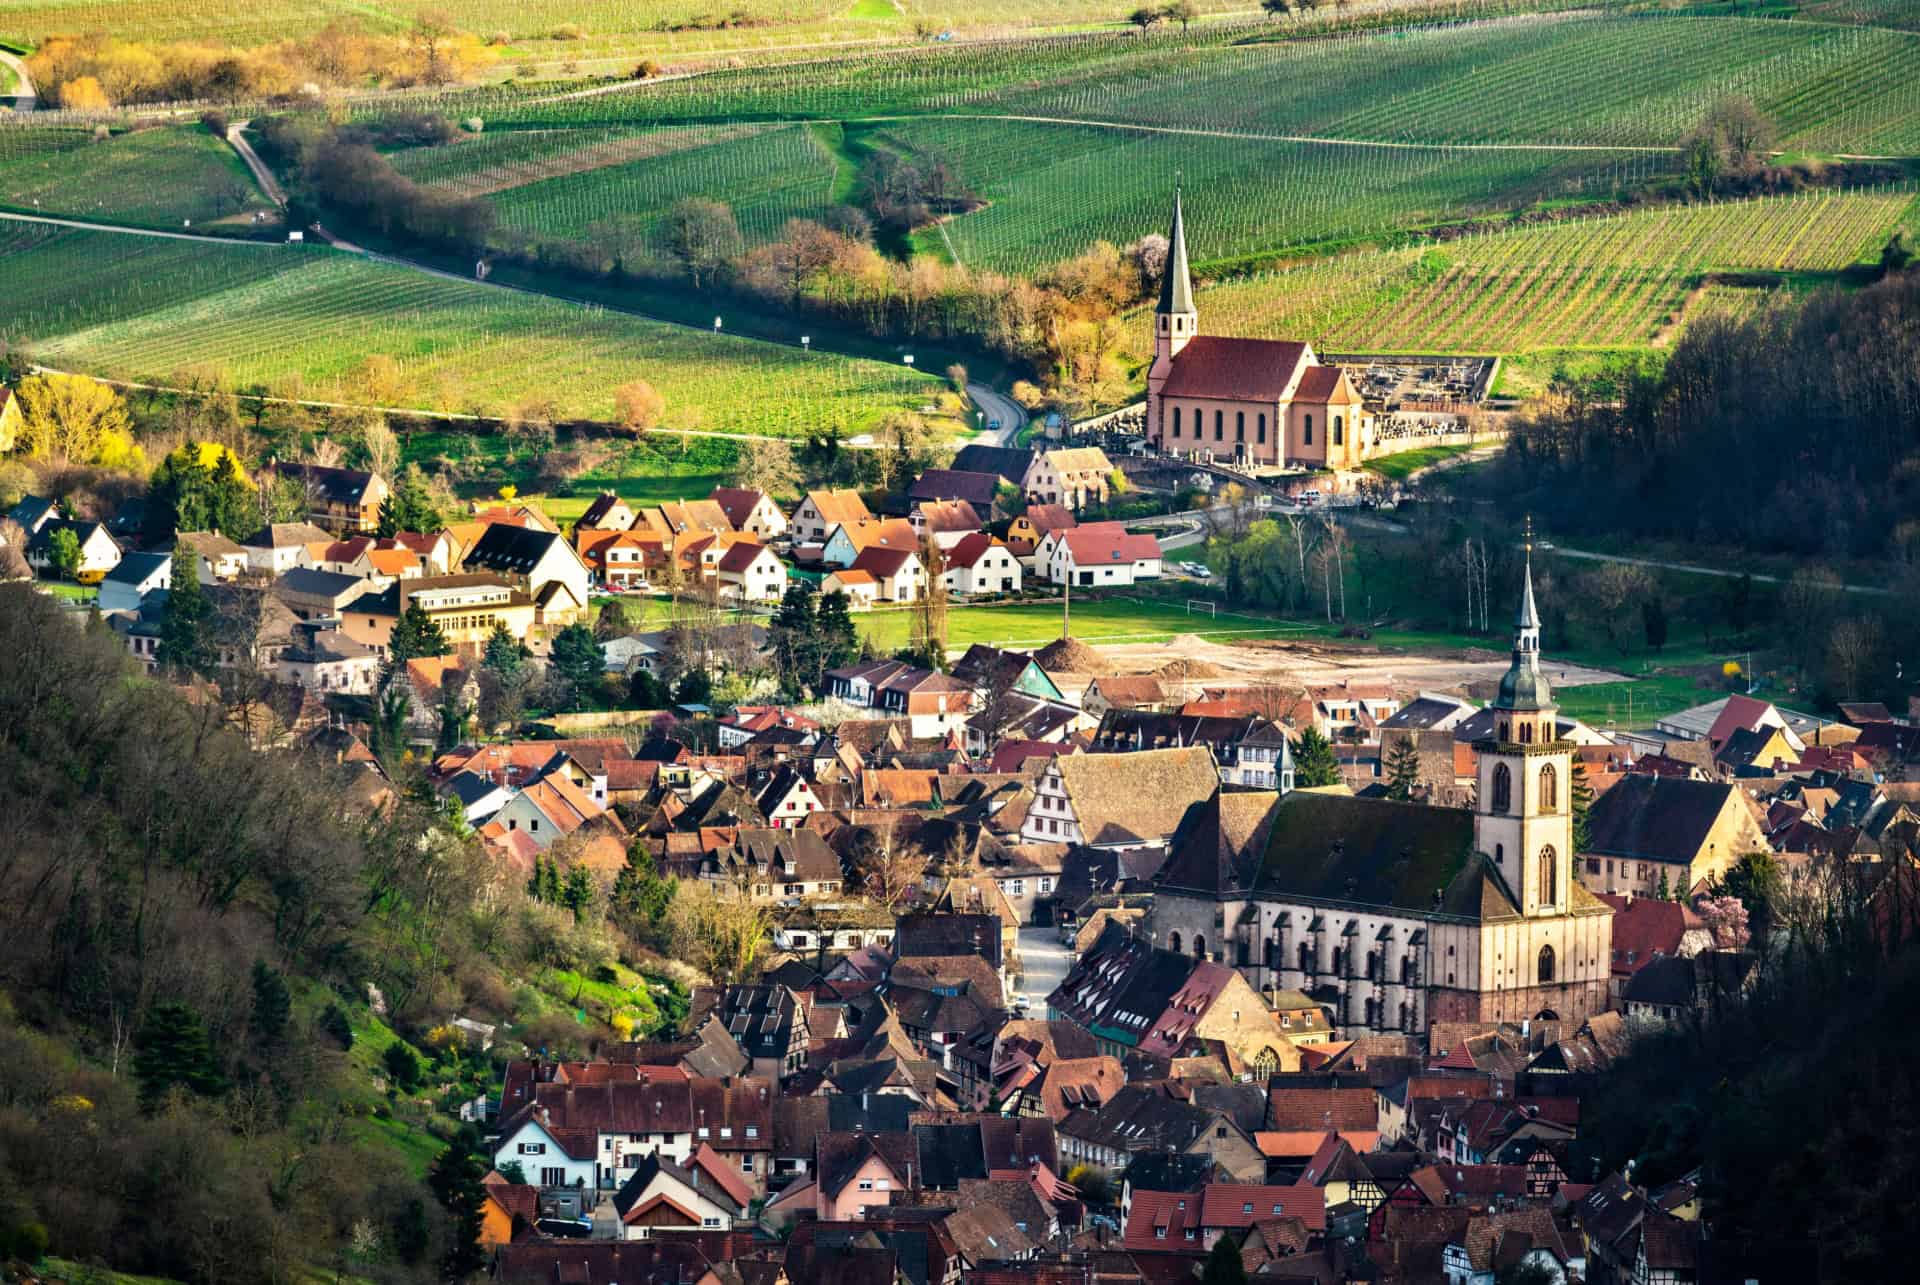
[760, 1018]
[332, 485]
[650, 1166]
[512, 549]
[838, 1156]
[948, 1153]
[136, 567]
[1663, 981]
[926, 934]
[1655, 818]
[1168, 1171]
[1119, 987]
[1375, 852]
[977, 489]
[321, 584]
[30, 509]
[1140, 1117]
[1008, 462]
[1423, 713]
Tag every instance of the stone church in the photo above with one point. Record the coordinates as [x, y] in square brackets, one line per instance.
[1399, 915]
[1262, 402]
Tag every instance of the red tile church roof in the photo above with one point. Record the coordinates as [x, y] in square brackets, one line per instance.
[1234, 369]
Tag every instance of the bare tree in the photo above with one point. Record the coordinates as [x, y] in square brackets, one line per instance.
[890, 871]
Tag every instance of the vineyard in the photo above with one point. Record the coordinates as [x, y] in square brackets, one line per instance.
[1595, 283]
[152, 178]
[305, 321]
[1051, 191]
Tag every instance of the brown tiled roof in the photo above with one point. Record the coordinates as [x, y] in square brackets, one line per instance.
[1234, 369]
[882, 563]
[1124, 797]
[1299, 1108]
[1323, 384]
[947, 516]
[1131, 689]
[741, 556]
[839, 506]
[737, 502]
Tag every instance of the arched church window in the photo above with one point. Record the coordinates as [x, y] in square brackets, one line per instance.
[1239, 426]
[1260, 429]
[1546, 963]
[1549, 788]
[1549, 876]
[1339, 430]
[1176, 421]
[1199, 946]
[1502, 788]
[1173, 943]
[1219, 426]
[1308, 439]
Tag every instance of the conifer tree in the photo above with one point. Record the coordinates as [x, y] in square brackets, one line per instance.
[272, 1006]
[1313, 761]
[186, 623]
[1581, 793]
[1403, 770]
[172, 1049]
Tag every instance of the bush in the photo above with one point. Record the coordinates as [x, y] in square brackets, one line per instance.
[646, 69]
[403, 1065]
[215, 122]
[473, 125]
[334, 1023]
[569, 31]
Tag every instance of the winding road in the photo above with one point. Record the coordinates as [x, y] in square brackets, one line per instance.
[22, 98]
[998, 406]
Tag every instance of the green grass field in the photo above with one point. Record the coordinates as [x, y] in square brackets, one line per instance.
[308, 319]
[159, 178]
[1397, 468]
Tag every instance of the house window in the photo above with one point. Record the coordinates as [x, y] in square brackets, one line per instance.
[1176, 421]
[866, 1184]
[1239, 426]
[551, 1177]
[1549, 876]
[709, 1222]
[746, 1162]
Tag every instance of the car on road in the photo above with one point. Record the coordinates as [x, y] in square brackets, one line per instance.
[1201, 571]
[1021, 1003]
[1308, 498]
[994, 424]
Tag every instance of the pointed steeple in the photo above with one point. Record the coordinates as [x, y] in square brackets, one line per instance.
[1524, 687]
[1176, 283]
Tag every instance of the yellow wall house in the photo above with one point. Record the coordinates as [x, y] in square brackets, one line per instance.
[465, 607]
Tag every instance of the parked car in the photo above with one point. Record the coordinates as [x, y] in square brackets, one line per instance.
[572, 1228]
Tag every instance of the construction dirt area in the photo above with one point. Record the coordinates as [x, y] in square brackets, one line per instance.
[1303, 664]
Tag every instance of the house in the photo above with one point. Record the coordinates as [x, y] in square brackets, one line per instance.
[1650, 829]
[99, 553]
[856, 1171]
[786, 799]
[751, 573]
[220, 558]
[658, 1195]
[774, 864]
[279, 547]
[1072, 477]
[339, 499]
[136, 576]
[979, 564]
[821, 511]
[34, 512]
[508, 1209]
[847, 541]
[621, 559]
[608, 512]
[1261, 402]
[944, 523]
[898, 575]
[695, 515]
[326, 660]
[318, 595]
[751, 511]
[529, 558]
[1145, 1119]
[466, 607]
[1098, 555]
[1234, 1208]
[1025, 532]
[1118, 800]
[1123, 691]
[861, 589]
[770, 1024]
[978, 490]
[1497, 1244]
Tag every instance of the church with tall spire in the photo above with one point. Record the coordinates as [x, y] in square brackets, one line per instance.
[1266, 403]
[1398, 915]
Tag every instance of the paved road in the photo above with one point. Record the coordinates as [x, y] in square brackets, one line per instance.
[22, 98]
[997, 405]
[1690, 568]
[1046, 962]
[261, 174]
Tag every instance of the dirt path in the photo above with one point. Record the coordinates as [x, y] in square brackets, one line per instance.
[237, 139]
[22, 96]
[1305, 664]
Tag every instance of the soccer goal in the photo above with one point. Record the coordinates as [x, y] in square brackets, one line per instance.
[1203, 606]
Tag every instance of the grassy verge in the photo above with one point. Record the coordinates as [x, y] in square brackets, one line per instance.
[1398, 468]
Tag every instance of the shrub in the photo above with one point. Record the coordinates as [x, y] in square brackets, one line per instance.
[403, 1065]
[334, 1023]
[646, 69]
[569, 31]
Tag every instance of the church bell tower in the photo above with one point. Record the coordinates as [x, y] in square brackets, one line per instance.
[1175, 321]
[1523, 815]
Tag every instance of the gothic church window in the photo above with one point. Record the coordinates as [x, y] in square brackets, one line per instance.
[1502, 788]
[1549, 788]
[1549, 876]
[1546, 964]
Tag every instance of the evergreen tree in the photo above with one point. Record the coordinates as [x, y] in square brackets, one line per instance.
[387, 729]
[334, 1022]
[186, 623]
[1582, 803]
[1403, 769]
[1224, 1265]
[1653, 622]
[550, 884]
[644, 691]
[455, 1181]
[230, 507]
[694, 688]
[796, 641]
[577, 893]
[272, 1006]
[640, 896]
[410, 507]
[505, 655]
[1313, 761]
[536, 882]
[455, 714]
[839, 640]
[415, 634]
[172, 1048]
[578, 659]
[179, 498]
[1665, 891]
[402, 1064]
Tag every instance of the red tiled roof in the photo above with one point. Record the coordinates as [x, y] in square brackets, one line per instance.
[1643, 929]
[1226, 1204]
[1321, 384]
[970, 549]
[741, 556]
[1166, 1222]
[1292, 1108]
[1107, 543]
[882, 563]
[1234, 369]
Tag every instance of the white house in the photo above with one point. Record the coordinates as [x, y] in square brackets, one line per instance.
[897, 573]
[220, 558]
[532, 557]
[545, 1160]
[326, 660]
[138, 575]
[1098, 555]
[980, 564]
[944, 522]
[751, 511]
[786, 800]
[281, 546]
[821, 511]
[752, 573]
[98, 552]
[700, 1195]
[1073, 478]
[859, 586]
